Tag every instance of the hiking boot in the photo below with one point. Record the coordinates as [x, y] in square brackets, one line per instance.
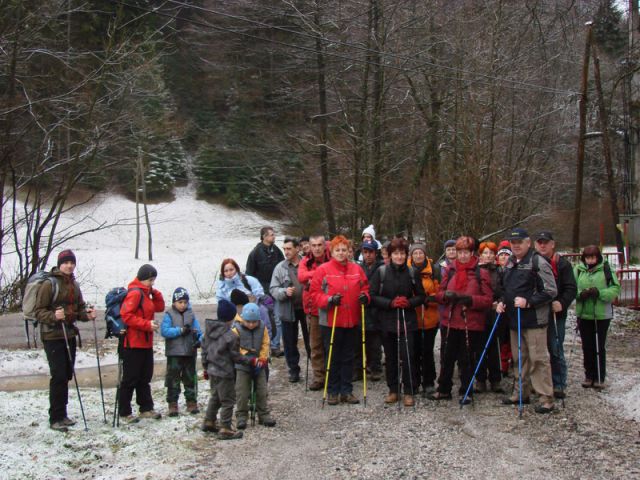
[598, 385]
[228, 433]
[544, 408]
[277, 353]
[375, 376]
[267, 421]
[173, 409]
[480, 386]
[350, 399]
[496, 387]
[408, 401]
[333, 399]
[150, 414]
[68, 422]
[241, 423]
[129, 419]
[587, 383]
[559, 393]
[515, 401]
[440, 396]
[59, 427]
[294, 377]
[465, 401]
[192, 408]
[316, 385]
[391, 398]
[209, 426]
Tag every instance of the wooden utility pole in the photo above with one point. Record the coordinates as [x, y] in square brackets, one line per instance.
[581, 138]
[603, 120]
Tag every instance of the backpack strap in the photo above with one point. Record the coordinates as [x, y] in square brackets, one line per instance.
[608, 274]
[245, 282]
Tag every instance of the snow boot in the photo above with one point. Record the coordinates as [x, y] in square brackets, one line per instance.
[59, 427]
[192, 408]
[68, 422]
[228, 433]
[129, 419]
[173, 409]
[150, 414]
[209, 426]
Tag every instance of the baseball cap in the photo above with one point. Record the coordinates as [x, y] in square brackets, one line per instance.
[517, 234]
[544, 235]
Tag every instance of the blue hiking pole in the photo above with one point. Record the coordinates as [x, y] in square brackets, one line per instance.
[519, 369]
[466, 394]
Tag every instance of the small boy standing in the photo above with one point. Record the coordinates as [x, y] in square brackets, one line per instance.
[219, 354]
[182, 335]
[254, 343]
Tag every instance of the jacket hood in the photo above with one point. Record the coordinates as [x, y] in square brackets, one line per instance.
[135, 283]
[215, 328]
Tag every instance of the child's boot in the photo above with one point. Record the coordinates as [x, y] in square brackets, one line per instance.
[228, 433]
[192, 408]
[173, 409]
[209, 426]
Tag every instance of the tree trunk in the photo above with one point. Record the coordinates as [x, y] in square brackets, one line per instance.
[378, 98]
[138, 176]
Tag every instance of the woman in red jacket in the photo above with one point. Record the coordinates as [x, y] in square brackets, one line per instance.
[467, 295]
[138, 310]
[339, 288]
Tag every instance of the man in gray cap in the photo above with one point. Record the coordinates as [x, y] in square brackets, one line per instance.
[529, 289]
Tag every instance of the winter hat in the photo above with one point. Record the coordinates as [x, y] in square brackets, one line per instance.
[66, 256]
[226, 310]
[367, 245]
[417, 246]
[238, 297]
[251, 313]
[370, 230]
[504, 247]
[146, 272]
[180, 293]
[449, 243]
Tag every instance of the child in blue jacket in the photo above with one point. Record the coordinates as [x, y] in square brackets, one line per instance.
[182, 335]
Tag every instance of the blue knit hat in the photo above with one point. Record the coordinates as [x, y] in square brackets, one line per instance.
[180, 293]
[226, 310]
[251, 313]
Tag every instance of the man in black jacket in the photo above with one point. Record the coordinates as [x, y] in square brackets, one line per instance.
[567, 289]
[260, 264]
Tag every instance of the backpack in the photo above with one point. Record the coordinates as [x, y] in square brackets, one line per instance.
[113, 302]
[31, 290]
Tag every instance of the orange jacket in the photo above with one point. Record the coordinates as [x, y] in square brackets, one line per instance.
[427, 314]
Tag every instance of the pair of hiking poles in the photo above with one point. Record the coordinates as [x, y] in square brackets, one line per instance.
[364, 358]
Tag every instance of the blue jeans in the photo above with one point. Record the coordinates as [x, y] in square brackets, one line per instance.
[556, 351]
[276, 338]
[290, 340]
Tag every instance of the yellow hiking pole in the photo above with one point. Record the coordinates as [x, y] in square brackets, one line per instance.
[326, 376]
[364, 362]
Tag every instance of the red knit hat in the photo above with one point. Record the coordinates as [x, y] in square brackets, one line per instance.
[66, 256]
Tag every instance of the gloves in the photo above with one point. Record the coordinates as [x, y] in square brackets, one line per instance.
[197, 344]
[429, 299]
[258, 363]
[254, 362]
[589, 293]
[362, 298]
[205, 375]
[450, 297]
[186, 330]
[594, 292]
[400, 302]
[465, 300]
[335, 300]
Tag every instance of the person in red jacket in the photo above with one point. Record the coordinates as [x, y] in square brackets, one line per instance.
[138, 310]
[466, 293]
[306, 269]
[339, 288]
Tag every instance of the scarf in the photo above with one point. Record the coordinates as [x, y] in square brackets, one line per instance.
[461, 277]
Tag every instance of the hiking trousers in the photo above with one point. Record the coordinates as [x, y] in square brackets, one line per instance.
[61, 371]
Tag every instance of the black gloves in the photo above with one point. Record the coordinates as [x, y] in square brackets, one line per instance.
[589, 293]
[186, 330]
[335, 300]
[465, 300]
[450, 297]
[363, 299]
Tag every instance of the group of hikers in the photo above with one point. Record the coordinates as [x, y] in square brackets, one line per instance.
[500, 309]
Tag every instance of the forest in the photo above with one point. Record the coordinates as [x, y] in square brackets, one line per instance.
[426, 118]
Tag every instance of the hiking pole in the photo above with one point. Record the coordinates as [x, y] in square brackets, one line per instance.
[463, 312]
[406, 344]
[26, 331]
[73, 370]
[558, 347]
[364, 361]
[95, 337]
[307, 347]
[597, 350]
[252, 401]
[116, 408]
[326, 376]
[398, 352]
[420, 366]
[493, 329]
[519, 369]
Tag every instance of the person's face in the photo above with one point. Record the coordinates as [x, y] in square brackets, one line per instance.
[180, 305]
[418, 256]
[545, 247]
[340, 252]
[487, 256]
[148, 282]
[450, 253]
[67, 267]
[317, 247]
[367, 238]
[385, 253]
[463, 256]
[369, 256]
[290, 252]
[229, 270]
[399, 257]
[251, 325]
[305, 247]
[269, 237]
[520, 247]
[502, 259]
[591, 260]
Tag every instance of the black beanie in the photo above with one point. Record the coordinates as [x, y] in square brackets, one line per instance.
[180, 293]
[66, 256]
[146, 272]
[238, 297]
[226, 311]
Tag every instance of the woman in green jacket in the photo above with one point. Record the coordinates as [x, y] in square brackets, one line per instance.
[598, 286]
